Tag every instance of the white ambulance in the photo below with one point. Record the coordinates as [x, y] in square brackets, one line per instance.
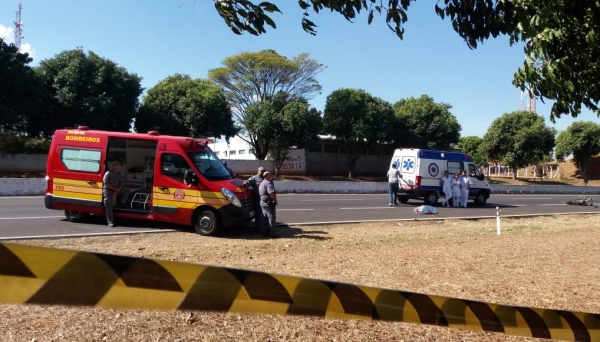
[422, 171]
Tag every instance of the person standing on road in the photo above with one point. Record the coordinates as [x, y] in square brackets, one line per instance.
[268, 202]
[446, 183]
[253, 183]
[465, 186]
[455, 191]
[112, 187]
[393, 178]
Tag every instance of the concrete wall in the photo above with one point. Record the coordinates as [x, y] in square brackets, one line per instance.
[22, 186]
[36, 186]
[329, 163]
[35, 163]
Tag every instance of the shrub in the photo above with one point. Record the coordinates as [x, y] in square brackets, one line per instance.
[20, 144]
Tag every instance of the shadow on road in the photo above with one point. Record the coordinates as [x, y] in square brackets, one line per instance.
[247, 232]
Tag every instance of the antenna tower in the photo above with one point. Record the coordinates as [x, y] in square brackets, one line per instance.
[527, 102]
[18, 27]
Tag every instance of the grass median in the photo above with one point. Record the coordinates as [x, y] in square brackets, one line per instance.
[546, 262]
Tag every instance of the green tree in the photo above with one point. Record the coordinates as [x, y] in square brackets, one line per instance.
[21, 92]
[281, 123]
[518, 139]
[430, 125]
[357, 119]
[250, 77]
[563, 64]
[472, 146]
[582, 140]
[181, 105]
[87, 89]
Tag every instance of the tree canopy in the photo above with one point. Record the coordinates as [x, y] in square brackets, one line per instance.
[87, 89]
[281, 123]
[560, 36]
[250, 77]
[518, 139]
[472, 146]
[357, 119]
[582, 140]
[181, 105]
[425, 124]
[21, 93]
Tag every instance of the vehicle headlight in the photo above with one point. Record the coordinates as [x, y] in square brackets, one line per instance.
[231, 197]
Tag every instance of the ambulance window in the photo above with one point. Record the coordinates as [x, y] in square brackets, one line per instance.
[407, 165]
[455, 167]
[473, 172]
[76, 159]
[174, 166]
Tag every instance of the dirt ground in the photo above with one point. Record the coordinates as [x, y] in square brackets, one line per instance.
[546, 262]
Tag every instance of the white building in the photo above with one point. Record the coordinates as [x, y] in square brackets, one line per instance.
[236, 149]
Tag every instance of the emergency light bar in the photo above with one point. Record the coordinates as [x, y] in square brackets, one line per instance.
[191, 141]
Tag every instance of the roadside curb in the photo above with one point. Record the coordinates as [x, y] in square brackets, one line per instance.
[37, 187]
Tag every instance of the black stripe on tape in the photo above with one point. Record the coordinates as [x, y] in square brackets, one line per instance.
[215, 289]
[142, 273]
[579, 330]
[486, 316]
[11, 265]
[262, 286]
[353, 300]
[536, 324]
[428, 312]
[84, 280]
[310, 298]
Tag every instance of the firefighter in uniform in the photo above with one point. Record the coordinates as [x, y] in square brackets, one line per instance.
[268, 202]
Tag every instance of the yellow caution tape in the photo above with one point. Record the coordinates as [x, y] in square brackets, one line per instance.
[46, 276]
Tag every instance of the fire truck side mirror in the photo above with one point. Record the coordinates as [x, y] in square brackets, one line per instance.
[189, 177]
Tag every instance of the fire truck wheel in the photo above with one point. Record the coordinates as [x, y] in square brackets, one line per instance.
[76, 216]
[207, 223]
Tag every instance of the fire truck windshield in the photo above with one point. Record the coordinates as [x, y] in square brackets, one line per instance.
[209, 165]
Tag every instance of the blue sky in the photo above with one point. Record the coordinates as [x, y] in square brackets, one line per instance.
[156, 39]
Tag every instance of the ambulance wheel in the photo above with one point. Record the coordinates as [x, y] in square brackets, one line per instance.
[480, 199]
[431, 198]
[403, 199]
[207, 223]
[75, 216]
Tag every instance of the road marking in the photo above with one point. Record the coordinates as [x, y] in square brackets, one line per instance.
[533, 198]
[29, 217]
[87, 234]
[334, 199]
[21, 197]
[294, 209]
[431, 218]
[361, 208]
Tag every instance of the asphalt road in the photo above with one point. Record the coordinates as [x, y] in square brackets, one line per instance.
[26, 217]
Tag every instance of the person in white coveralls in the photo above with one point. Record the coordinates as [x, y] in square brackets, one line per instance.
[465, 185]
[446, 183]
[455, 191]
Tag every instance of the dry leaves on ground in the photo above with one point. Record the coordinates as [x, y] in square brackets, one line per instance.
[541, 262]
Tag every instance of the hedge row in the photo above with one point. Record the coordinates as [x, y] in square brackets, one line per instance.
[20, 144]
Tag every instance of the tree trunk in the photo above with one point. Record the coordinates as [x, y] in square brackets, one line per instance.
[515, 168]
[352, 159]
